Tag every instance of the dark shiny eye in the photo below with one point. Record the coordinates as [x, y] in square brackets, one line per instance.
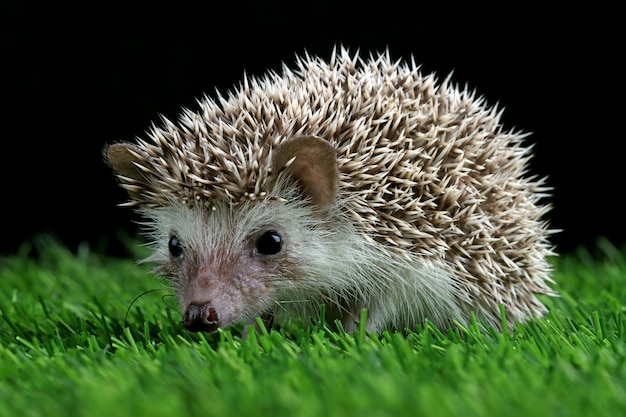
[175, 247]
[269, 243]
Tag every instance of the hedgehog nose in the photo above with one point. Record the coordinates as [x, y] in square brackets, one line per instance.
[200, 317]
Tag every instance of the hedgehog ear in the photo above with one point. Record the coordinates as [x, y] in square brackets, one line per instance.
[121, 159]
[312, 161]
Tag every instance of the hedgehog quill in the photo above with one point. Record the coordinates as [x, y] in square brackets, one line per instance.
[352, 183]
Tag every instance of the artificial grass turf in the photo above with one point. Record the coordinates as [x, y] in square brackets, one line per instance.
[67, 347]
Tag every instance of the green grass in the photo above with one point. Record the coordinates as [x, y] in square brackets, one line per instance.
[66, 349]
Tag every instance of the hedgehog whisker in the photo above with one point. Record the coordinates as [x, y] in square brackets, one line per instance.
[141, 295]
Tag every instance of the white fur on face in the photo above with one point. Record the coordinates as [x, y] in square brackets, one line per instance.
[323, 260]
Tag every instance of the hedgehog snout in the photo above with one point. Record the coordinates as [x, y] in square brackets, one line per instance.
[200, 317]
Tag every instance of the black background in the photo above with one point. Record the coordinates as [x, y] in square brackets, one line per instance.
[76, 77]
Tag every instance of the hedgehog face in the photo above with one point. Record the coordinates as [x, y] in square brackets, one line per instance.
[231, 261]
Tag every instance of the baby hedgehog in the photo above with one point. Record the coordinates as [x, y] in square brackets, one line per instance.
[350, 183]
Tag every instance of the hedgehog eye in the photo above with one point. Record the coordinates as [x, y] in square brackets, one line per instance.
[269, 243]
[175, 247]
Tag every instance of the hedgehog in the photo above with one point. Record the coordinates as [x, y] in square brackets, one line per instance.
[351, 183]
